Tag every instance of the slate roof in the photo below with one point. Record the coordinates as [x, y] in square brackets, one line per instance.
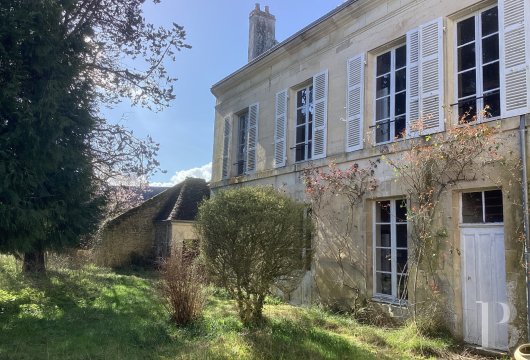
[183, 203]
[179, 202]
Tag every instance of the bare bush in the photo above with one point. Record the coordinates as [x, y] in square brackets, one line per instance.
[183, 288]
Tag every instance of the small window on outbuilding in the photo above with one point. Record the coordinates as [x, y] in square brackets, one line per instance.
[482, 207]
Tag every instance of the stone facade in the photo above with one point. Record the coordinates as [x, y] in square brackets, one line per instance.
[337, 56]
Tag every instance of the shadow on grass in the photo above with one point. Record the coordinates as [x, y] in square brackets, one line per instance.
[89, 314]
[299, 340]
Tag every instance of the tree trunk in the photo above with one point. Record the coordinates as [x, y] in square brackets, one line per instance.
[34, 262]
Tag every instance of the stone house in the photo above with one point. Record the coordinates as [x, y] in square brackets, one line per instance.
[155, 228]
[347, 88]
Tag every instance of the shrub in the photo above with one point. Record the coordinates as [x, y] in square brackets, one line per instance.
[183, 289]
[250, 238]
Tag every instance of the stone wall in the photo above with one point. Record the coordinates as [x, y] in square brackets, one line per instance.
[131, 236]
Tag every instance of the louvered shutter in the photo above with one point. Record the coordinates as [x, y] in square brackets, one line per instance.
[227, 135]
[425, 78]
[355, 103]
[515, 44]
[252, 137]
[413, 79]
[320, 115]
[431, 71]
[280, 129]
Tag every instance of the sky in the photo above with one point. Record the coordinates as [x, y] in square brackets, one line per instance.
[217, 30]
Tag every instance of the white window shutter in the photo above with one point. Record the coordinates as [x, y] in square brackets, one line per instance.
[425, 78]
[413, 79]
[280, 129]
[227, 135]
[431, 71]
[355, 103]
[320, 114]
[514, 18]
[252, 137]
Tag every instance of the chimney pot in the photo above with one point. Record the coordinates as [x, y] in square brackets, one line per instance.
[267, 9]
[257, 7]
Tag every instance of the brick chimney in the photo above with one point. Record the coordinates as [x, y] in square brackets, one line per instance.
[261, 35]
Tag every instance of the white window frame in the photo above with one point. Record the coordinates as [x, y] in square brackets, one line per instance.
[391, 120]
[394, 298]
[308, 154]
[478, 66]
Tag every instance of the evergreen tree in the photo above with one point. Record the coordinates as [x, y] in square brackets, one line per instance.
[47, 194]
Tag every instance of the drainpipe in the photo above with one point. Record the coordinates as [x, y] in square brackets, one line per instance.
[522, 133]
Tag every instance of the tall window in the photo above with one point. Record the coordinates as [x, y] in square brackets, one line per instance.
[304, 123]
[390, 250]
[242, 143]
[478, 65]
[391, 95]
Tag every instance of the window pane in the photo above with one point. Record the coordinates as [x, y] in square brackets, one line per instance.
[466, 31]
[383, 63]
[490, 49]
[400, 104]
[401, 235]
[383, 284]
[300, 116]
[400, 127]
[382, 110]
[490, 21]
[467, 110]
[467, 84]
[383, 212]
[383, 260]
[401, 261]
[401, 80]
[309, 149]
[492, 104]
[490, 76]
[466, 57]
[402, 287]
[310, 132]
[311, 94]
[382, 235]
[472, 207]
[300, 134]
[383, 86]
[300, 152]
[401, 57]
[382, 132]
[301, 98]
[401, 210]
[493, 206]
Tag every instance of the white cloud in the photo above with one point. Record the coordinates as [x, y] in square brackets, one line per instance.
[203, 172]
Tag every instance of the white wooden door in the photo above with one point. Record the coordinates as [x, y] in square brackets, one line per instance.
[485, 309]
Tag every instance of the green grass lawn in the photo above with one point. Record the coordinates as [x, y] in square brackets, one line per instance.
[95, 313]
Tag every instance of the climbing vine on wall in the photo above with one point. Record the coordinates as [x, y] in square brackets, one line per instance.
[427, 167]
[335, 224]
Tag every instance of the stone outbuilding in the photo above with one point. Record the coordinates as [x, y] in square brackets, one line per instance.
[154, 229]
